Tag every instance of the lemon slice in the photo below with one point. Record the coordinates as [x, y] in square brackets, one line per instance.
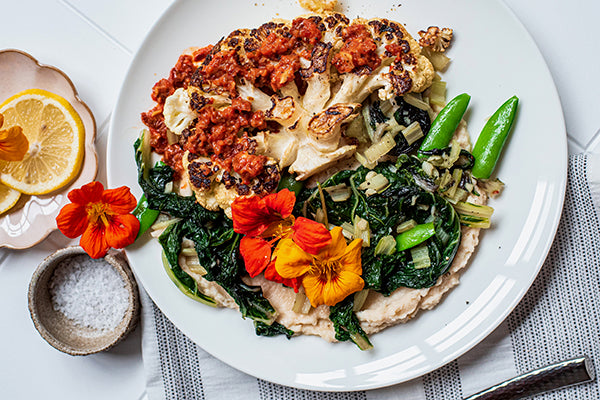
[8, 198]
[56, 142]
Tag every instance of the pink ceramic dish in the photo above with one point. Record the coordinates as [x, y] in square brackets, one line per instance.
[33, 217]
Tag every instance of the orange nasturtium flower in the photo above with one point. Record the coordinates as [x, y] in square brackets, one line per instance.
[101, 217]
[13, 143]
[329, 276]
[266, 220]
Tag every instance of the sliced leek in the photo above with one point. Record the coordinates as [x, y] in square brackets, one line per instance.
[439, 60]
[359, 299]
[360, 341]
[437, 93]
[362, 231]
[420, 257]
[379, 149]
[301, 303]
[364, 162]
[164, 223]
[386, 245]
[412, 133]
[413, 100]
[406, 225]
[474, 215]
[348, 230]
[339, 192]
[476, 210]
[377, 182]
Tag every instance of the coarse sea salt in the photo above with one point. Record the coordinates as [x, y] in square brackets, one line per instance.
[90, 292]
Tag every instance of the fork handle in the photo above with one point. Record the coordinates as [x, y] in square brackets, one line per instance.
[555, 376]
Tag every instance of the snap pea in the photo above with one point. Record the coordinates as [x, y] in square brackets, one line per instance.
[414, 236]
[444, 125]
[145, 215]
[492, 138]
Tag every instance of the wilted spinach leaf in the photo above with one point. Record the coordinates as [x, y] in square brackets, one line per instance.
[406, 197]
[215, 241]
[274, 329]
[409, 195]
[346, 324]
[405, 115]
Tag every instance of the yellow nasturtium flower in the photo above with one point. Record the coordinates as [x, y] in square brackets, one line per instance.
[329, 276]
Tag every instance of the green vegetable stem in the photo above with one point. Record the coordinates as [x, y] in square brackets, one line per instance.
[444, 125]
[288, 181]
[414, 236]
[492, 138]
[145, 215]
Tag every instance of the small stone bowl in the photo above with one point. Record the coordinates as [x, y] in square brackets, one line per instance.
[63, 333]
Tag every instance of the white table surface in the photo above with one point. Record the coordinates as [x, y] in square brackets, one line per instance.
[93, 43]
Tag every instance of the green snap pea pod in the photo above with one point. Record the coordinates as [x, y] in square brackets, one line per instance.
[444, 125]
[288, 181]
[414, 236]
[145, 215]
[492, 138]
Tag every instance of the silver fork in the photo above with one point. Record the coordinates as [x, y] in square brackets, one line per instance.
[551, 377]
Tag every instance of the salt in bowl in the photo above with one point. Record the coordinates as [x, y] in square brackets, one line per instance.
[67, 334]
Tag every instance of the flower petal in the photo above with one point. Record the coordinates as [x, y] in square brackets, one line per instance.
[272, 275]
[351, 260]
[93, 241]
[89, 193]
[281, 203]
[336, 248]
[344, 285]
[256, 253]
[313, 287]
[330, 293]
[13, 144]
[250, 216]
[121, 200]
[121, 230]
[310, 235]
[291, 261]
[72, 220]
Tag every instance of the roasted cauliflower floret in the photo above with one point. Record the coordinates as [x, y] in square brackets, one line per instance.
[379, 55]
[317, 78]
[435, 38]
[216, 188]
[177, 111]
[204, 183]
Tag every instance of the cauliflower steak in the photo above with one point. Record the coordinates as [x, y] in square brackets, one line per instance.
[278, 96]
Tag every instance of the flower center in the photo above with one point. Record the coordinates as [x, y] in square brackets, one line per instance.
[98, 211]
[280, 229]
[326, 270]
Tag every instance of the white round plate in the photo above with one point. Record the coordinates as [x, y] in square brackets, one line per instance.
[493, 58]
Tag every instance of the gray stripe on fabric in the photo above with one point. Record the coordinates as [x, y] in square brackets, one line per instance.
[550, 324]
[178, 358]
[271, 391]
[443, 383]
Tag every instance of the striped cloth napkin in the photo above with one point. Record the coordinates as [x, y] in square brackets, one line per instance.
[558, 319]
